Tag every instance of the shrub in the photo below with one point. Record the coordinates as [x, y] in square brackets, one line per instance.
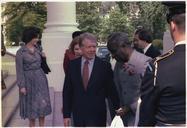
[158, 43]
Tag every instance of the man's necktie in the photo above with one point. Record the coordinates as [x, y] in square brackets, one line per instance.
[85, 74]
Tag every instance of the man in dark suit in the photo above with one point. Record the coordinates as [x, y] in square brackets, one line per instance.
[143, 40]
[88, 82]
[163, 91]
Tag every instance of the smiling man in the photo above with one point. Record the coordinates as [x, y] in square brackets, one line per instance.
[88, 82]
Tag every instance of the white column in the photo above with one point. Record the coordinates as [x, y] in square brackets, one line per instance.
[61, 22]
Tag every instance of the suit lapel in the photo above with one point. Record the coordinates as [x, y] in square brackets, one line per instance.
[93, 73]
[79, 74]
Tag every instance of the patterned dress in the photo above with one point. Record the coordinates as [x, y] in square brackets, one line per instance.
[36, 102]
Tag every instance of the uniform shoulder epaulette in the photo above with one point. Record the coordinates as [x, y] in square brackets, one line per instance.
[170, 52]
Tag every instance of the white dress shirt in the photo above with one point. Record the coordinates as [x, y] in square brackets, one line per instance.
[146, 48]
[180, 42]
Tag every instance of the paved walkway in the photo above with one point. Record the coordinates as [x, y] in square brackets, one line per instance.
[11, 100]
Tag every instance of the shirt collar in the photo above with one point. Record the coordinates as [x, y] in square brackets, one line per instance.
[146, 48]
[180, 42]
[139, 61]
[90, 61]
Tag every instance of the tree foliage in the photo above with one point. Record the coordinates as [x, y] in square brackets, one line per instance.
[116, 22]
[152, 17]
[88, 16]
[99, 18]
[121, 16]
[20, 15]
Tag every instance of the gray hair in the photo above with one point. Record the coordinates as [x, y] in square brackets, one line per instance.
[117, 40]
[88, 36]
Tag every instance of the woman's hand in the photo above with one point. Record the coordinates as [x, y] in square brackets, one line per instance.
[23, 91]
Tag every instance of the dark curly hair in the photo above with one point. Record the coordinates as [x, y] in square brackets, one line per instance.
[144, 35]
[29, 33]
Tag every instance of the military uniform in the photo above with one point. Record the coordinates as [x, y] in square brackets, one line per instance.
[163, 90]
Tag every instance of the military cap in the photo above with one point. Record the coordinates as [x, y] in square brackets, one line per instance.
[175, 8]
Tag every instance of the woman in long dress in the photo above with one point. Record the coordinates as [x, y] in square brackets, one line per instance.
[31, 80]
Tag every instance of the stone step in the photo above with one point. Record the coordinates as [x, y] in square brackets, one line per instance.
[58, 117]
[8, 64]
[8, 58]
[10, 95]
[54, 119]
[9, 103]
[18, 122]
[49, 118]
[5, 74]
[9, 82]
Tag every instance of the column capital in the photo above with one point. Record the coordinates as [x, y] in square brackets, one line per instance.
[61, 16]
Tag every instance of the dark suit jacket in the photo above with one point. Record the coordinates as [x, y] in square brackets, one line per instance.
[88, 106]
[165, 102]
[152, 52]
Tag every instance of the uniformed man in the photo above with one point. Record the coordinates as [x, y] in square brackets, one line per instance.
[163, 91]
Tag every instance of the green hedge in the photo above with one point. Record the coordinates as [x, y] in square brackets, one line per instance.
[158, 43]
